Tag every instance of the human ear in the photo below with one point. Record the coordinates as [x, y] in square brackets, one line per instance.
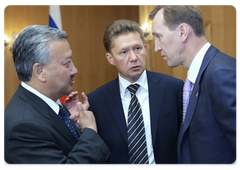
[183, 32]
[38, 72]
[110, 59]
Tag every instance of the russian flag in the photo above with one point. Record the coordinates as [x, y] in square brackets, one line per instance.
[55, 17]
[56, 22]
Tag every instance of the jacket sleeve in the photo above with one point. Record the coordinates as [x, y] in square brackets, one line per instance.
[223, 99]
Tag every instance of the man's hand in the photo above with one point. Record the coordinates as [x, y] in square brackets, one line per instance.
[79, 112]
[71, 103]
[86, 118]
[72, 99]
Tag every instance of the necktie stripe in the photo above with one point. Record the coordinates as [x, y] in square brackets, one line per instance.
[186, 96]
[135, 144]
[135, 136]
[130, 119]
[132, 110]
[140, 155]
[131, 126]
[143, 158]
[138, 150]
[137, 147]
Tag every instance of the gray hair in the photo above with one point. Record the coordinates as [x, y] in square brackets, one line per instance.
[31, 46]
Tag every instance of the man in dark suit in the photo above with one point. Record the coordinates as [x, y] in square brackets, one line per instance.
[208, 129]
[159, 96]
[34, 128]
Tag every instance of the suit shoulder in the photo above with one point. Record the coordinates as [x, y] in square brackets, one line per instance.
[223, 60]
[164, 77]
[100, 90]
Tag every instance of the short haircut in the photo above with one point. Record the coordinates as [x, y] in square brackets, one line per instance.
[120, 27]
[174, 15]
[32, 46]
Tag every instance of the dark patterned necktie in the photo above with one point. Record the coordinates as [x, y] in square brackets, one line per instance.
[63, 114]
[137, 146]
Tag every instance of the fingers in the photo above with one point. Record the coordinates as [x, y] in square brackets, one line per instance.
[80, 111]
[71, 96]
[86, 104]
[86, 118]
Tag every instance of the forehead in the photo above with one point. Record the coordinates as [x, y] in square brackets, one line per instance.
[60, 48]
[129, 38]
[158, 22]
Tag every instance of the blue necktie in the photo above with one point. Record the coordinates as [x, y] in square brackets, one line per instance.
[137, 146]
[63, 114]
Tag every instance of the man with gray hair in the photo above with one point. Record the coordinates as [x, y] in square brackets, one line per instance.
[37, 125]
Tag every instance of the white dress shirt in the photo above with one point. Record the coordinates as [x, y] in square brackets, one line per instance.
[142, 95]
[196, 63]
[50, 102]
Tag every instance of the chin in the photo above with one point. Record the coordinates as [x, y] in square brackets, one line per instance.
[171, 65]
[69, 90]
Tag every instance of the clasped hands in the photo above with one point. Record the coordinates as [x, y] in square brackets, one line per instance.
[79, 111]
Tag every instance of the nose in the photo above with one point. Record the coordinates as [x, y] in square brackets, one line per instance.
[73, 69]
[157, 46]
[132, 56]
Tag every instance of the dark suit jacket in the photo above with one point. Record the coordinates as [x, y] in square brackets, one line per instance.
[165, 93]
[35, 134]
[208, 134]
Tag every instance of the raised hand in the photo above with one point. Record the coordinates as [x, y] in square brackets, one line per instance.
[85, 119]
[71, 103]
[79, 111]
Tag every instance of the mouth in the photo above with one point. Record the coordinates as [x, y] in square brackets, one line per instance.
[164, 57]
[71, 80]
[135, 67]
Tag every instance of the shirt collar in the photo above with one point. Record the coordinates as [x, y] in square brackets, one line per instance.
[196, 63]
[50, 102]
[142, 81]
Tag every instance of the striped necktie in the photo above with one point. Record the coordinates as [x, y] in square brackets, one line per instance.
[137, 147]
[63, 114]
[186, 95]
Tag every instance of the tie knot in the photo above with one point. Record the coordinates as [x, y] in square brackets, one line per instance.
[133, 88]
[62, 111]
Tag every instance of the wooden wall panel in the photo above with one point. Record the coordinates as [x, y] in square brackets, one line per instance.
[85, 27]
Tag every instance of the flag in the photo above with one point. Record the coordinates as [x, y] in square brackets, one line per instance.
[55, 17]
[56, 22]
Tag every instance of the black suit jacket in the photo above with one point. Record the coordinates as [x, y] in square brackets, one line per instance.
[208, 134]
[165, 93]
[35, 134]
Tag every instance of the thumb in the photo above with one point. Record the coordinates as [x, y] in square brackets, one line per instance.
[80, 111]
[85, 101]
[80, 107]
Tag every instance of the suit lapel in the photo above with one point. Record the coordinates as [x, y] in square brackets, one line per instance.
[47, 112]
[212, 51]
[113, 100]
[156, 96]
